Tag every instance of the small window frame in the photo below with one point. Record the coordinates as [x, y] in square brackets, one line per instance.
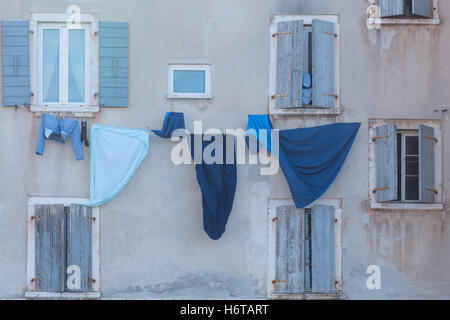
[405, 125]
[189, 67]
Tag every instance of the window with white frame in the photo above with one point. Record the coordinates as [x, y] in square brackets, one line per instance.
[191, 81]
[63, 248]
[304, 65]
[403, 12]
[304, 249]
[404, 167]
[64, 63]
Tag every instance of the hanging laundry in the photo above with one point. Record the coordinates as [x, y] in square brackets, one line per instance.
[310, 158]
[306, 88]
[60, 130]
[172, 122]
[84, 134]
[217, 183]
[116, 154]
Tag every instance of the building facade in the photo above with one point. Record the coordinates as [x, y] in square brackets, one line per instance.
[386, 66]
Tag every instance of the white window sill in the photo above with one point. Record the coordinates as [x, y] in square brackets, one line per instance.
[62, 295]
[307, 296]
[305, 111]
[76, 111]
[383, 21]
[189, 97]
[407, 206]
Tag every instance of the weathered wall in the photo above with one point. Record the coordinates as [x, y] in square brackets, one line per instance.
[152, 239]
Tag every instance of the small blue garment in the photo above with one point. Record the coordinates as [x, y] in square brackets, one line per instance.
[310, 158]
[218, 185]
[60, 130]
[116, 154]
[306, 88]
[172, 122]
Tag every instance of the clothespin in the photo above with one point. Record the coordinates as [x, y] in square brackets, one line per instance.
[93, 121]
[103, 124]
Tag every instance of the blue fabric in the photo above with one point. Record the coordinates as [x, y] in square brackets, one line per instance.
[60, 131]
[172, 122]
[218, 185]
[310, 158]
[306, 88]
[116, 154]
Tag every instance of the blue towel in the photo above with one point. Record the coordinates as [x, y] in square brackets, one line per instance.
[306, 88]
[218, 185]
[116, 154]
[172, 122]
[310, 158]
[60, 130]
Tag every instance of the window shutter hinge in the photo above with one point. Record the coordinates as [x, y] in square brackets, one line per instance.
[380, 189]
[379, 137]
[38, 217]
[330, 33]
[91, 219]
[280, 96]
[38, 279]
[90, 280]
[432, 190]
[281, 34]
[278, 281]
[431, 138]
[332, 95]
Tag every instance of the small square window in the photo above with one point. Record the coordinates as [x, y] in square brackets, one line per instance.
[189, 81]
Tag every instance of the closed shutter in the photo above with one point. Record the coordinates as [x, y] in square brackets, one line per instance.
[386, 161]
[427, 188]
[289, 250]
[15, 62]
[289, 64]
[113, 55]
[323, 247]
[422, 8]
[79, 246]
[49, 248]
[323, 64]
[389, 8]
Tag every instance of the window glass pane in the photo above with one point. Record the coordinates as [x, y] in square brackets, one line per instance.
[412, 165]
[76, 65]
[189, 81]
[411, 188]
[50, 65]
[412, 145]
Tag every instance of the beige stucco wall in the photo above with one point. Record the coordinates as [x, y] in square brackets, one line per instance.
[152, 239]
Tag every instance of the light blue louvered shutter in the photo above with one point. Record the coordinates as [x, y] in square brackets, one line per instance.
[16, 62]
[390, 8]
[322, 249]
[113, 43]
[49, 248]
[289, 64]
[422, 8]
[289, 270]
[79, 245]
[323, 64]
[427, 188]
[386, 162]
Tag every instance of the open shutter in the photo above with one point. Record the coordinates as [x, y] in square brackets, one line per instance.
[390, 8]
[49, 248]
[387, 169]
[79, 245]
[322, 247]
[323, 64]
[289, 250]
[289, 64]
[422, 8]
[113, 64]
[427, 188]
[16, 62]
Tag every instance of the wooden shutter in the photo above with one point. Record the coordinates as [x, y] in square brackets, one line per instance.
[289, 250]
[427, 188]
[322, 250]
[16, 62]
[289, 64]
[323, 64]
[113, 62]
[79, 243]
[422, 8]
[49, 248]
[386, 162]
[389, 8]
